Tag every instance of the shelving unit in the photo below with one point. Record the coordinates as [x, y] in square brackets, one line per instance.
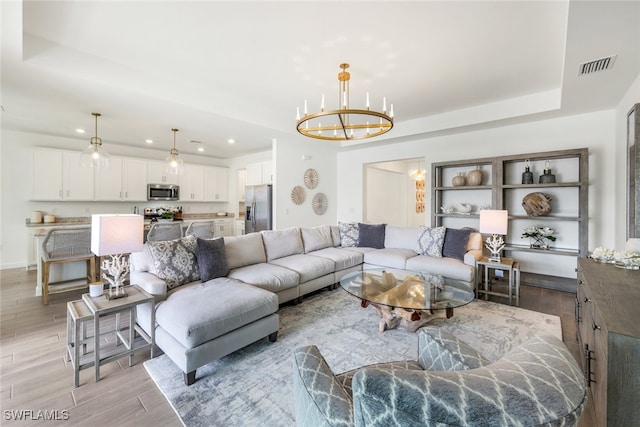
[502, 189]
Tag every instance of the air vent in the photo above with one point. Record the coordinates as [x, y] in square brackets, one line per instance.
[194, 141]
[597, 65]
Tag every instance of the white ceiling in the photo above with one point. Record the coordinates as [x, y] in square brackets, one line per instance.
[219, 70]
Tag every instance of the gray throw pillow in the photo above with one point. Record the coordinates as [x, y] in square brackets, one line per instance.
[175, 260]
[455, 243]
[371, 235]
[430, 241]
[348, 234]
[212, 259]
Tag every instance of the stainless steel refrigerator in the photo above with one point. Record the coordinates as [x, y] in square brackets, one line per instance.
[258, 215]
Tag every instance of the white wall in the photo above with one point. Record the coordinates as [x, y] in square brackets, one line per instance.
[595, 131]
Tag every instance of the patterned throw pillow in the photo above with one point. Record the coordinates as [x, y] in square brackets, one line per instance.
[348, 234]
[175, 260]
[430, 241]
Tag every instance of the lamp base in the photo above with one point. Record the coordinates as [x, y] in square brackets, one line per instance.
[495, 257]
[115, 294]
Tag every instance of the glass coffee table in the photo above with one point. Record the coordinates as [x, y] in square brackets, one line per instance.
[405, 298]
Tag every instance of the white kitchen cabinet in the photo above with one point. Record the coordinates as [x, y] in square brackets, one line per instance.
[156, 173]
[224, 227]
[242, 182]
[216, 184]
[239, 227]
[259, 173]
[126, 179]
[57, 175]
[192, 184]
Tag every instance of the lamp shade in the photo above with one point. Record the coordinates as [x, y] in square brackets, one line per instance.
[116, 234]
[494, 221]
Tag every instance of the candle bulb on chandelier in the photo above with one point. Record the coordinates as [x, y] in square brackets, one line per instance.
[391, 111]
[322, 103]
[367, 100]
[344, 99]
[297, 113]
[384, 105]
[305, 107]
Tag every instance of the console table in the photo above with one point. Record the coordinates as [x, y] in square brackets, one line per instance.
[608, 322]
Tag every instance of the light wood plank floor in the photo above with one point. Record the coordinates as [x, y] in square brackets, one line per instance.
[35, 376]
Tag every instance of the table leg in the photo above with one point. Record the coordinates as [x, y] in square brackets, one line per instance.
[486, 282]
[153, 328]
[76, 353]
[96, 344]
[510, 284]
[132, 333]
[517, 273]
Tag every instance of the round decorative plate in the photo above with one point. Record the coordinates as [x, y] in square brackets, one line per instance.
[537, 204]
[298, 195]
[319, 203]
[311, 178]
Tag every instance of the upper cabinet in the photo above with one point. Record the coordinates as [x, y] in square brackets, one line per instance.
[57, 175]
[259, 173]
[192, 184]
[216, 184]
[156, 173]
[125, 180]
[204, 184]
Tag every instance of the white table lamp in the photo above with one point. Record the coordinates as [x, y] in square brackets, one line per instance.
[494, 222]
[117, 236]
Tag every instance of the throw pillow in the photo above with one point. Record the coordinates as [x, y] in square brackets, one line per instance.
[371, 235]
[348, 234]
[175, 260]
[455, 243]
[430, 241]
[212, 259]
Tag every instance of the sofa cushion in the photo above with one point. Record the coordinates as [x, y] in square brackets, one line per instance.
[430, 241]
[316, 238]
[308, 267]
[198, 313]
[244, 250]
[389, 257]
[343, 258]
[401, 237]
[455, 243]
[266, 276]
[371, 235]
[212, 260]
[335, 235]
[448, 267]
[348, 234]
[175, 260]
[439, 350]
[280, 243]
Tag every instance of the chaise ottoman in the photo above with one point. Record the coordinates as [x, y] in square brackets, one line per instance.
[206, 321]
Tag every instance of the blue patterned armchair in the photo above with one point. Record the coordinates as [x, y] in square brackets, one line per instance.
[536, 384]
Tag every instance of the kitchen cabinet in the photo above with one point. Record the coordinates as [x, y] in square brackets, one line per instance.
[259, 173]
[192, 184]
[224, 227]
[608, 332]
[156, 173]
[216, 184]
[57, 175]
[239, 227]
[242, 182]
[126, 179]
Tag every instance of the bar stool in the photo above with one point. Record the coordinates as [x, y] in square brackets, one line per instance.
[62, 246]
[161, 231]
[201, 229]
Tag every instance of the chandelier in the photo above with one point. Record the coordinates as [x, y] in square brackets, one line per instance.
[94, 156]
[345, 124]
[418, 174]
[175, 165]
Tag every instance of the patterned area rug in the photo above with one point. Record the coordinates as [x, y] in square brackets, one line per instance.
[254, 387]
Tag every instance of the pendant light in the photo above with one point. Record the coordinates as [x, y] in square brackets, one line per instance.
[94, 156]
[175, 165]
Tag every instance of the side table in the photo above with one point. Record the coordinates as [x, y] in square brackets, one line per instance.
[101, 306]
[509, 266]
[78, 315]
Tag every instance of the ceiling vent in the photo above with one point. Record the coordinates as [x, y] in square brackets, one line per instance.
[597, 65]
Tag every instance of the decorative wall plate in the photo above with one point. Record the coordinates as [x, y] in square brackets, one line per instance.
[319, 203]
[311, 178]
[537, 204]
[298, 195]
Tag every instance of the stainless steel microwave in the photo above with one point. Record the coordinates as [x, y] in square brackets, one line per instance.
[163, 192]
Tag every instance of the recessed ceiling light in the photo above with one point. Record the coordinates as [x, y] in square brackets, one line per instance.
[80, 130]
[200, 149]
[231, 141]
[149, 141]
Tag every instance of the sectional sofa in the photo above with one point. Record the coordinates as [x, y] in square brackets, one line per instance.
[215, 297]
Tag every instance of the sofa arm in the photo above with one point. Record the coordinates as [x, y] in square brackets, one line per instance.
[472, 256]
[150, 283]
[319, 398]
[538, 383]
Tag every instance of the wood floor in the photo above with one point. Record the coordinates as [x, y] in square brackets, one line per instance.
[34, 374]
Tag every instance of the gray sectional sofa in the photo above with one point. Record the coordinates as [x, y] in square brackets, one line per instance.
[234, 302]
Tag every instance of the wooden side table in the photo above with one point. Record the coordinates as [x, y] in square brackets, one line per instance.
[101, 306]
[509, 266]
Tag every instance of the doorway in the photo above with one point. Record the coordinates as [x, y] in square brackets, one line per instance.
[391, 195]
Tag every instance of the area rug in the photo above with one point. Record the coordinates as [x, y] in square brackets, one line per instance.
[254, 386]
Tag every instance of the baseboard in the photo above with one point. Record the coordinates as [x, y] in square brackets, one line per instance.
[564, 284]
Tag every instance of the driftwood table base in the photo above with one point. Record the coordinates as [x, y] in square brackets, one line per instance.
[411, 320]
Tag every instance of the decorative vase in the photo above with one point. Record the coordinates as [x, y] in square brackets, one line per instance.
[538, 243]
[527, 175]
[474, 177]
[547, 177]
[459, 180]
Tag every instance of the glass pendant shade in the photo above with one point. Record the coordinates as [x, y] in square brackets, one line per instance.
[174, 165]
[94, 156]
